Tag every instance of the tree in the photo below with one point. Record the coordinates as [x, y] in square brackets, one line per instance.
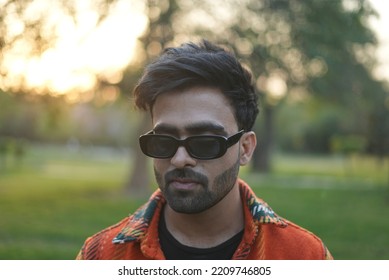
[158, 36]
[31, 29]
[321, 49]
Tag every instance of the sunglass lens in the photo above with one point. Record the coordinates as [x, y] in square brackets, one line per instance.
[204, 147]
[160, 146]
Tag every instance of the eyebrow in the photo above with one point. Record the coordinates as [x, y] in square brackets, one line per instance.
[194, 128]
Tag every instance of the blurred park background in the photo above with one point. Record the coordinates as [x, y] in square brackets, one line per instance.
[69, 161]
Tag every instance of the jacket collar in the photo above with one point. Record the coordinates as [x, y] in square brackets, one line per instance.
[139, 223]
[260, 211]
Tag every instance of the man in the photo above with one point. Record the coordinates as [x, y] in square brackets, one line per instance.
[203, 107]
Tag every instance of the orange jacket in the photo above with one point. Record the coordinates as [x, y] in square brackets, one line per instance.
[266, 235]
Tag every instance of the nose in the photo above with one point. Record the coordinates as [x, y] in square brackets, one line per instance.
[182, 159]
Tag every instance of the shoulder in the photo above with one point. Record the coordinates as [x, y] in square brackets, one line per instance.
[97, 245]
[122, 239]
[278, 238]
[292, 242]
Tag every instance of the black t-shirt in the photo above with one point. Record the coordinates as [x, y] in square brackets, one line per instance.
[174, 250]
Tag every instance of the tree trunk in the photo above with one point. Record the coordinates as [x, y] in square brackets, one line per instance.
[138, 183]
[262, 155]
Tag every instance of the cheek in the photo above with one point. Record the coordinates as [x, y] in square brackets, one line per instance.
[159, 173]
[214, 168]
[160, 165]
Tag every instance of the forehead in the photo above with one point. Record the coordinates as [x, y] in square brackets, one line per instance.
[198, 108]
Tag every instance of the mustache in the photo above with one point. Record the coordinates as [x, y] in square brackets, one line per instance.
[186, 173]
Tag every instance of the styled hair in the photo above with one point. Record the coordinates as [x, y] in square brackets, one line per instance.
[203, 64]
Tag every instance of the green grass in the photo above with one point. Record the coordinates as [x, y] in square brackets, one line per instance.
[56, 198]
[344, 201]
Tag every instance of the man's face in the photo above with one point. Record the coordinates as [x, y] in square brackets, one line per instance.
[192, 185]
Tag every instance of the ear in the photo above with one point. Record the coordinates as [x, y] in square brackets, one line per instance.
[248, 142]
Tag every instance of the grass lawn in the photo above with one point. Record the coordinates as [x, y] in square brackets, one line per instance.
[56, 197]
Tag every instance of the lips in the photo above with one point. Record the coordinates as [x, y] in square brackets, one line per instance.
[183, 184]
[185, 179]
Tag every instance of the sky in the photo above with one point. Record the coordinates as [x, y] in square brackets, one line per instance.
[381, 25]
[84, 53]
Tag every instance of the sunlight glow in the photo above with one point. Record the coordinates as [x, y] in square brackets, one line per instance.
[273, 86]
[276, 87]
[380, 25]
[84, 52]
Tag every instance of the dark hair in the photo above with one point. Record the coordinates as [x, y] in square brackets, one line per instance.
[203, 64]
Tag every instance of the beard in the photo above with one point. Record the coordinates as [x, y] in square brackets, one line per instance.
[200, 199]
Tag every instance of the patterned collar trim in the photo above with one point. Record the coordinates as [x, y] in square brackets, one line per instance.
[262, 212]
[139, 222]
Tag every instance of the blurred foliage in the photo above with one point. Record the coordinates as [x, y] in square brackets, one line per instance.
[319, 54]
[347, 144]
[31, 28]
[312, 63]
[51, 119]
[311, 60]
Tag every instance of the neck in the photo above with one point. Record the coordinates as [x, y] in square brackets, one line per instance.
[211, 227]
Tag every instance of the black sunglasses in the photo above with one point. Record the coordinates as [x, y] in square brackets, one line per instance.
[200, 147]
